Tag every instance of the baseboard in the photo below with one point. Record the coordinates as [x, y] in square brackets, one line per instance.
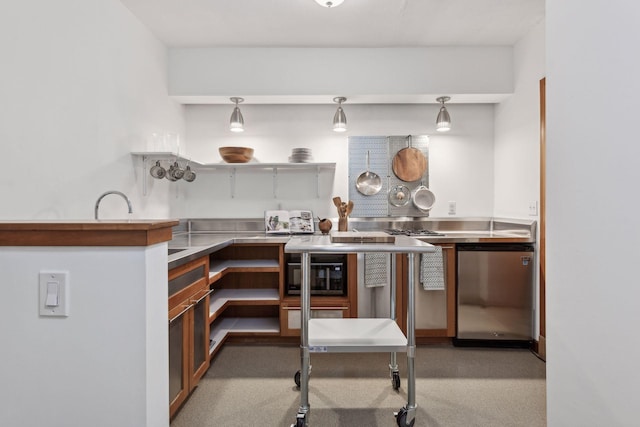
[432, 340]
[267, 340]
[542, 347]
[458, 342]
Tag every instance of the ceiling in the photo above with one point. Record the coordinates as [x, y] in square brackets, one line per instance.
[355, 23]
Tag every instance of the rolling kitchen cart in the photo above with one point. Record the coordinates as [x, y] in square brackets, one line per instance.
[357, 334]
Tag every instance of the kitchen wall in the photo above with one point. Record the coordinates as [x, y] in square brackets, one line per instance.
[83, 84]
[517, 132]
[106, 363]
[395, 73]
[517, 141]
[461, 162]
[593, 99]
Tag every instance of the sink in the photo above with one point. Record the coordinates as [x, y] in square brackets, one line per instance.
[173, 251]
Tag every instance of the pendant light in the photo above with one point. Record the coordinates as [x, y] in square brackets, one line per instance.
[339, 119]
[236, 122]
[329, 3]
[443, 122]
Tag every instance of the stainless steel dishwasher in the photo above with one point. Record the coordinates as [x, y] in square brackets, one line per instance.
[495, 294]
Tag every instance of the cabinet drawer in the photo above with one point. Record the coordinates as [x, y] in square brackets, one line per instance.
[187, 280]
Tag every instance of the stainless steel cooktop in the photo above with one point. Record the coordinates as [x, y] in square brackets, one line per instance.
[406, 232]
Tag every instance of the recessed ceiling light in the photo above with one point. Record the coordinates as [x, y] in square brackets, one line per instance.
[329, 3]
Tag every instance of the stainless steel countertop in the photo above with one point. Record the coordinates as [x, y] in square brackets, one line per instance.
[191, 246]
[208, 236]
[319, 244]
[478, 236]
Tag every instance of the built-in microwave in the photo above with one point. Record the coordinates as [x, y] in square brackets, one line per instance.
[328, 275]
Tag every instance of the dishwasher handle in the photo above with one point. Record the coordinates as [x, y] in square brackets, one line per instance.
[495, 247]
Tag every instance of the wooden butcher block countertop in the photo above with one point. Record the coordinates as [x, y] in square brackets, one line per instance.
[86, 232]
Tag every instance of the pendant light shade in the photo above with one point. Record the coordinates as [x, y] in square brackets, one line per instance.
[236, 124]
[443, 121]
[340, 119]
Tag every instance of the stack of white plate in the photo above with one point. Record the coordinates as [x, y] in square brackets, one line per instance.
[300, 155]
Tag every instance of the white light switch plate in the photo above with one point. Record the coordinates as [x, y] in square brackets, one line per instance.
[54, 293]
[452, 207]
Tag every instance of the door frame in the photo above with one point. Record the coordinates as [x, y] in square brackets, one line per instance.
[542, 343]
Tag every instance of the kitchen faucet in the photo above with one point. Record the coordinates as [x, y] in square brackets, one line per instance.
[126, 199]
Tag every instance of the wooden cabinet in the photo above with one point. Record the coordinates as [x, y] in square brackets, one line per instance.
[291, 316]
[449, 258]
[188, 329]
[322, 306]
[240, 291]
[435, 314]
[247, 282]
[178, 359]
[236, 291]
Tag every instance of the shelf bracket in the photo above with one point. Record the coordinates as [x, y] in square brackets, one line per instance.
[232, 182]
[275, 183]
[144, 175]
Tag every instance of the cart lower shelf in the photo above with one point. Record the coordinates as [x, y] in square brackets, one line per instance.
[355, 335]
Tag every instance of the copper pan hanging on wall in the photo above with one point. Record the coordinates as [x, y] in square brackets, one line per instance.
[409, 164]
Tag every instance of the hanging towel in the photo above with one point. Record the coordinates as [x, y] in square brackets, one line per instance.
[376, 266]
[432, 270]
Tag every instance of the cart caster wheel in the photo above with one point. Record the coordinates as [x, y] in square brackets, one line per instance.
[296, 378]
[301, 421]
[401, 418]
[395, 381]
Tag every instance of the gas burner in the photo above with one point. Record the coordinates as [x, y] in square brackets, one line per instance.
[396, 231]
[423, 232]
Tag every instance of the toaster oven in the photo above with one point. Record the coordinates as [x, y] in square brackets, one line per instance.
[328, 275]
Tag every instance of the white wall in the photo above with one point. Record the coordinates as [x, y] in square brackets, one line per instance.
[593, 100]
[106, 363]
[83, 83]
[517, 132]
[352, 72]
[461, 161]
[102, 365]
[517, 141]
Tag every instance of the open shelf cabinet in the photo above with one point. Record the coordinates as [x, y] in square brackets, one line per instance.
[247, 288]
[221, 329]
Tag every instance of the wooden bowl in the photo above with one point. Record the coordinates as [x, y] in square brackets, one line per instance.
[236, 154]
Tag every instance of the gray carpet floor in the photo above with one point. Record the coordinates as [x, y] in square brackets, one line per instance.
[252, 385]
